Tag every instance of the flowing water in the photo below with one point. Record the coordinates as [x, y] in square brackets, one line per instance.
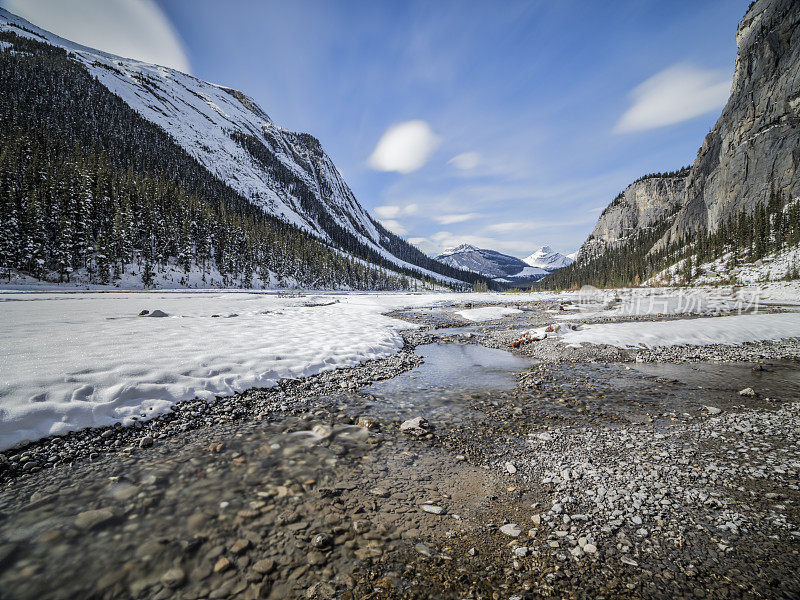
[779, 379]
[451, 376]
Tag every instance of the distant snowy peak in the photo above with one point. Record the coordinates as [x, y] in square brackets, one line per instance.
[490, 263]
[459, 249]
[548, 259]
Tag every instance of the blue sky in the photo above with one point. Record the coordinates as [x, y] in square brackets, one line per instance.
[508, 125]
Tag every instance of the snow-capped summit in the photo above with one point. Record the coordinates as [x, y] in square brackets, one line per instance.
[499, 266]
[459, 249]
[548, 259]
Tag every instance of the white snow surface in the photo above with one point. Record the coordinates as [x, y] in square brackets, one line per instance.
[487, 313]
[591, 302]
[529, 272]
[704, 331]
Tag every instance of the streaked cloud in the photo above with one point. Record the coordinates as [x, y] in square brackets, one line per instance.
[441, 240]
[512, 226]
[404, 147]
[394, 226]
[389, 211]
[456, 218]
[465, 161]
[130, 28]
[676, 94]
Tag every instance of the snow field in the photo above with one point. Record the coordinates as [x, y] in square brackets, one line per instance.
[731, 330]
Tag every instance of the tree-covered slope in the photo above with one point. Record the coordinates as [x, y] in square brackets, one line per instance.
[87, 183]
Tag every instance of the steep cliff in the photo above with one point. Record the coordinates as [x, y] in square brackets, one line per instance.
[737, 193]
[754, 147]
[644, 203]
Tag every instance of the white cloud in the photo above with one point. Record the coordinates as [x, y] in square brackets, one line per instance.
[514, 226]
[678, 93]
[130, 28]
[465, 161]
[394, 226]
[439, 241]
[457, 218]
[404, 147]
[390, 211]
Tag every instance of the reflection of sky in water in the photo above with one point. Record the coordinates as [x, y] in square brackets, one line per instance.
[451, 374]
[779, 379]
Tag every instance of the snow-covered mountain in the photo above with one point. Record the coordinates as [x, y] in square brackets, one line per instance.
[490, 263]
[286, 174]
[548, 259]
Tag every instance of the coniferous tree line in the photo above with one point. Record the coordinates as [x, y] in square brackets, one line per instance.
[87, 184]
[682, 172]
[747, 236]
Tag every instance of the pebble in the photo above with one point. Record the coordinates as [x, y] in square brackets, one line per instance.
[264, 566]
[173, 578]
[511, 529]
[223, 564]
[90, 519]
[418, 426]
[435, 510]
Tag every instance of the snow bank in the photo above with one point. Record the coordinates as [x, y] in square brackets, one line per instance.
[701, 332]
[70, 361]
[487, 313]
[75, 360]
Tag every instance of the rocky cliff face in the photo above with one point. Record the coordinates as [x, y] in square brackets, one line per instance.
[752, 149]
[642, 204]
[755, 145]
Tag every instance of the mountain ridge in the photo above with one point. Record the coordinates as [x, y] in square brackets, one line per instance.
[287, 175]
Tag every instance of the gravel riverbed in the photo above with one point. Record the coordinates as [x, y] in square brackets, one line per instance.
[585, 478]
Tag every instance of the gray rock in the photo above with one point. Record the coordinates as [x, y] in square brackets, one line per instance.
[90, 519]
[173, 578]
[511, 529]
[417, 426]
[435, 510]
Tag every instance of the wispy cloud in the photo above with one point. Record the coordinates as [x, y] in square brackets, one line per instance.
[465, 161]
[438, 242]
[391, 211]
[394, 226]
[512, 226]
[130, 28]
[676, 94]
[404, 148]
[456, 218]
